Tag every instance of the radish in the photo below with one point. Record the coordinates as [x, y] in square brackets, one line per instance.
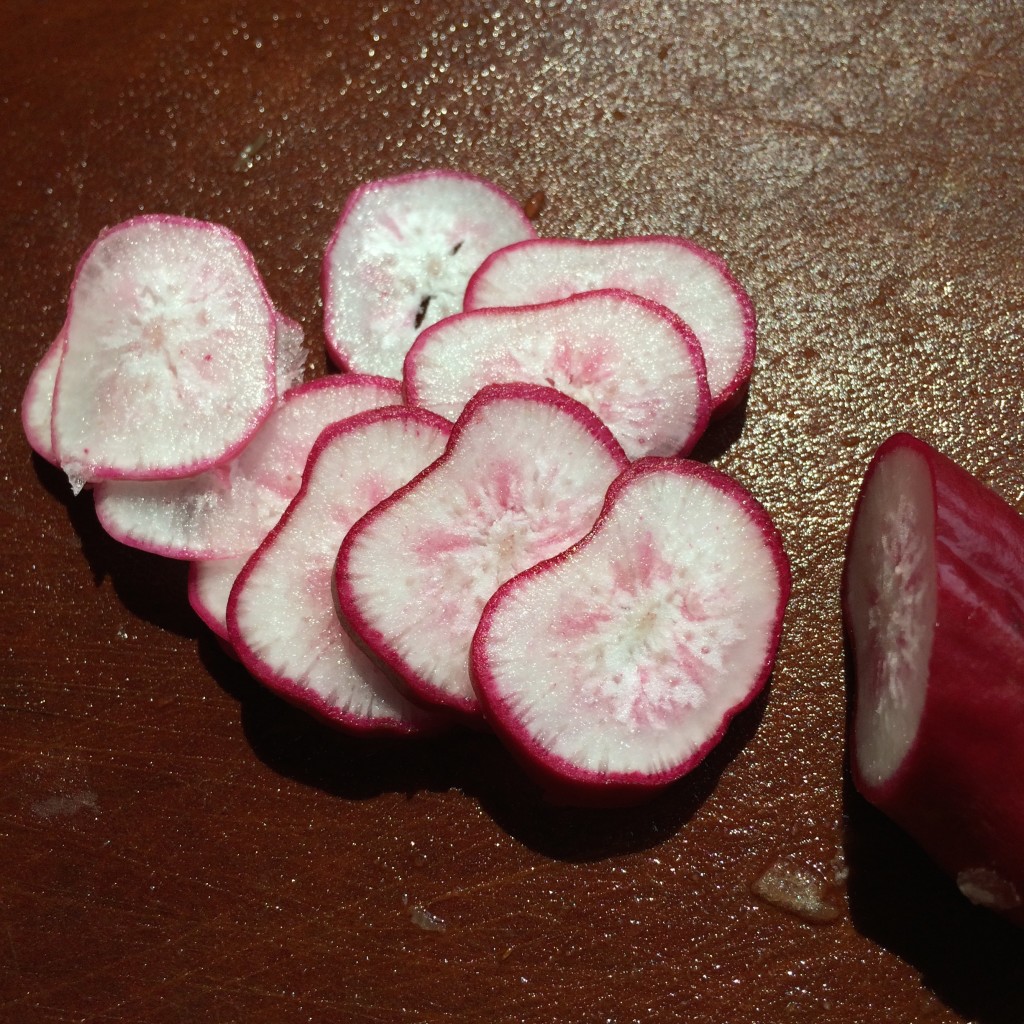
[523, 476]
[692, 282]
[226, 511]
[37, 405]
[933, 597]
[281, 617]
[400, 258]
[168, 325]
[209, 587]
[631, 361]
[290, 353]
[613, 668]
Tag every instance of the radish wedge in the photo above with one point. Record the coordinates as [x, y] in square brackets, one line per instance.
[169, 326]
[614, 667]
[400, 258]
[37, 405]
[933, 598]
[694, 283]
[281, 615]
[227, 511]
[631, 361]
[523, 476]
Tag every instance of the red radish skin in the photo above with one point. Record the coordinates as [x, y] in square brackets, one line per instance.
[631, 361]
[613, 668]
[933, 600]
[168, 325]
[400, 257]
[281, 616]
[695, 284]
[226, 512]
[524, 475]
[37, 405]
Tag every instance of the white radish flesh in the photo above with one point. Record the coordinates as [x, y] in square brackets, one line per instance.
[168, 365]
[37, 405]
[226, 512]
[401, 255]
[632, 362]
[614, 667]
[290, 353]
[281, 614]
[692, 282]
[523, 477]
[933, 600]
[209, 587]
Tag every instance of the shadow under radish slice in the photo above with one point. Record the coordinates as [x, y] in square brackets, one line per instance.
[933, 601]
[692, 282]
[524, 475]
[614, 667]
[281, 616]
[632, 362]
[168, 365]
[400, 257]
[226, 512]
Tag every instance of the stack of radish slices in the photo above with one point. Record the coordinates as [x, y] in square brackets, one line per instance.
[507, 537]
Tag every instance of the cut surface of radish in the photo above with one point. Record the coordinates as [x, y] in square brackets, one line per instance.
[281, 613]
[168, 325]
[614, 667]
[209, 587]
[692, 282]
[37, 405]
[226, 511]
[524, 476]
[933, 601]
[401, 255]
[630, 360]
[290, 355]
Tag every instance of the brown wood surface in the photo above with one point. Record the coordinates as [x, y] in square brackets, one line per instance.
[178, 845]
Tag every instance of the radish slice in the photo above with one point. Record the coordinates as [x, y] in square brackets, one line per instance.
[209, 587]
[169, 327]
[523, 476]
[37, 405]
[693, 283]
[933, 599]
[614, 667]
[631, 361]
[227, 511]
[281, 613]
[400, 258]
[290, 358]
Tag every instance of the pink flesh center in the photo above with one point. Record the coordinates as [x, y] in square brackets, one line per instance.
[628, 656]
[891, 602]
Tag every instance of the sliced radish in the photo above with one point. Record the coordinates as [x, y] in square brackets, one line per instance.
[228, 510]
[290, 355]
[933, 599]
[169, 327]
[694, 283]
[209, 587]
[400, 258]
[615, 666]
[37, 405]
[631, 361]
[281, 616]
[523, 476]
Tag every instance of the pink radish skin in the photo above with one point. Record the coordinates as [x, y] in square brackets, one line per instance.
[400, 257]
[692, 282]
[933, 600]
[632, 362]
[227, 511]
[169, 325]
[614, 667]
[524, 475]
[281, 615]
[37, 405]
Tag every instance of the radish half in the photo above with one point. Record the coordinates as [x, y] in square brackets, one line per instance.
[169, 327]
[692, 282]
[225, 512]
[400, 258]
[281, 616]
[631, 361]
[933, 597]
[614, 667]
[524, 475]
